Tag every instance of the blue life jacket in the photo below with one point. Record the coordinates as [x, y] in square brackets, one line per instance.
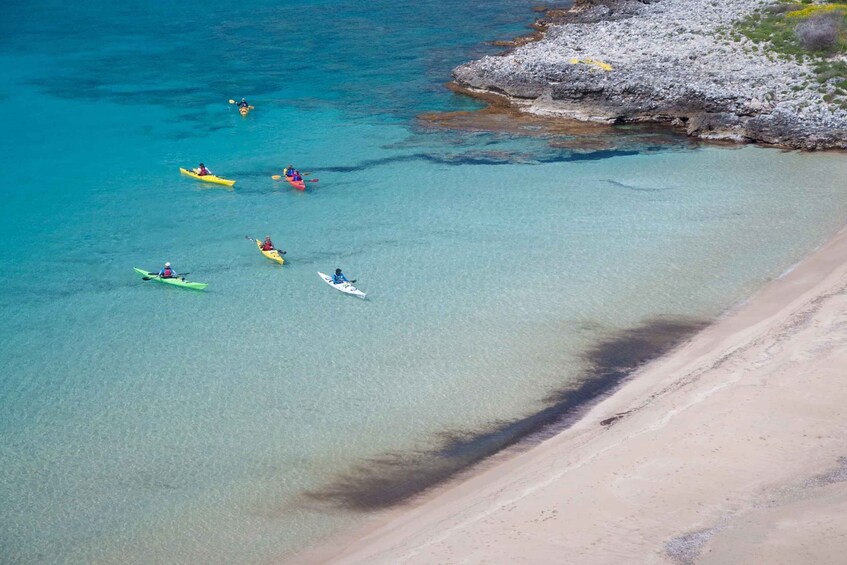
[338, 279]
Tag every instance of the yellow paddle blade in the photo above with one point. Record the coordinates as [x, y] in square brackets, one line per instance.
[251, 107]
[276, 177]
[232, 101]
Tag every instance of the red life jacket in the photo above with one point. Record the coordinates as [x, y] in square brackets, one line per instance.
[168, 272]
[267, 245]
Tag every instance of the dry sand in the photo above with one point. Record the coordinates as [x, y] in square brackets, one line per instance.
[730, 449]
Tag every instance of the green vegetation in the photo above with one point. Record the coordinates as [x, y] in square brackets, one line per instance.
[825, 70]
[803, 31]
[778, 24]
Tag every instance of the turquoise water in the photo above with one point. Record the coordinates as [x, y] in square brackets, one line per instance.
[142, 423]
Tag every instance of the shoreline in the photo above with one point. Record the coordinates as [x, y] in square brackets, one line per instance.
[680, 63]
[713, 407]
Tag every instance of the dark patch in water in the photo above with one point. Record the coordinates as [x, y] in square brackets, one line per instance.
[370, 163]
[635, 188]
[392, 478]
[481, 158]
[98, 88]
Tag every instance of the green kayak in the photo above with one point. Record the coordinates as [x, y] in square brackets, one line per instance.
[174, 281]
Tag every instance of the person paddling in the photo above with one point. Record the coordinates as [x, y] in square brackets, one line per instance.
[243, 104]
[167, 272]
[202, 171]
[296, 177]
[288, 171]
[267, 245]
[339, 278]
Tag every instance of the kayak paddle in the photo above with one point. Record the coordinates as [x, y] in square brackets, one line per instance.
[156, 276]
[279, 177]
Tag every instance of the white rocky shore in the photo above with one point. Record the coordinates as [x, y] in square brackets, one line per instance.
[671, 62]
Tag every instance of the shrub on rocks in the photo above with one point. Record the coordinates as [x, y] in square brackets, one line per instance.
[820, 32]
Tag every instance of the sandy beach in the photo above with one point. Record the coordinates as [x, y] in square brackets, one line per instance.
[732, 448]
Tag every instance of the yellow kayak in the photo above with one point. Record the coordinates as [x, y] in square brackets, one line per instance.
[243, 111]
[207, 178]
[273, 254]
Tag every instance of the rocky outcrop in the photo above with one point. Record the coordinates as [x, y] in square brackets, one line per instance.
[668, 64]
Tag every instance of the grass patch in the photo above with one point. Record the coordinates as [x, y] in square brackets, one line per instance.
[777, 26]
[805, 32]
[830, 69]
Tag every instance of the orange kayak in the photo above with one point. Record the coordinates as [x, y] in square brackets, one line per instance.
[298, 184]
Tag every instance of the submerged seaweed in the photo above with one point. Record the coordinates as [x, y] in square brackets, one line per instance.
[395, 477]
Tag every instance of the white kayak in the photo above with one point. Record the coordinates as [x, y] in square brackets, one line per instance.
[346, 287]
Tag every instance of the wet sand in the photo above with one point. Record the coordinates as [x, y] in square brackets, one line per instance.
[730, 448]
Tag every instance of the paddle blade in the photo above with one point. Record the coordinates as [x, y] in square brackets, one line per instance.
[232, 101]
[312, 180]
[276, 177]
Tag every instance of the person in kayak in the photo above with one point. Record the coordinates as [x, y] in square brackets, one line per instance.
[288, 171]
[267, 245]
[339, 278]
[243, 103]
[167, 272]
[296, 177]
[202, 171]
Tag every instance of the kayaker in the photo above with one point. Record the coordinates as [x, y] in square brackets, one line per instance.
[202, 171]
[243, 103]
[296, 176]
[339, 277]
[288, 171]
[267, 245]
[167, 272]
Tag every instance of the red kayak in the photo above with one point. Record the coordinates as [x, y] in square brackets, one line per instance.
[298, 184]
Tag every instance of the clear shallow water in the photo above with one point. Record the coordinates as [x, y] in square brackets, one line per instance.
[142, 423]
